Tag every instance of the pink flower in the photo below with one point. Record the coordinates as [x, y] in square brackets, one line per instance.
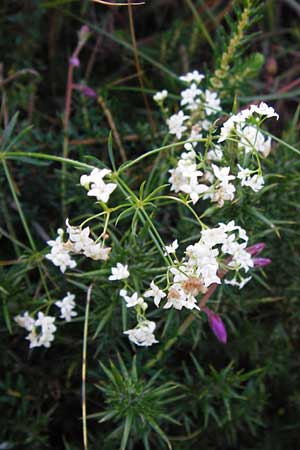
[217, 326]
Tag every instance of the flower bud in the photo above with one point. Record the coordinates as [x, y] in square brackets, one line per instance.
[261, 262]
[256, 248]
[217, 326]
[83, 34]
[86, 90]
[74, 61]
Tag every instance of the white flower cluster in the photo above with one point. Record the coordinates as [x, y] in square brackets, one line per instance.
[143, 333]
[42, 329]
[60, 254]
[95, 185]
[79, 242]
[66, 306]
[206, 173]
[200, 107]
[218, 247]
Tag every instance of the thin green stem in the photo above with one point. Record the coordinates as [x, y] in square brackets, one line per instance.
[144, 217]
[13, 155]
[84, 354]
[154, 151]
[18, 205]
[182, 202]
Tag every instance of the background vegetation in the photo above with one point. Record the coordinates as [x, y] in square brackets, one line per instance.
[199, 394]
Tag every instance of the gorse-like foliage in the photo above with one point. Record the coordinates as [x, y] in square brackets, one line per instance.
[150, 239]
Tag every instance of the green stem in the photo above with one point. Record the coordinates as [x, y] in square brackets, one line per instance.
[144, 217]
[18, 205]
[12, 155]
[154, 151]
[84, 354]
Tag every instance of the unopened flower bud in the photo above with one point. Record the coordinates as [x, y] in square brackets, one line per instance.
[261, 262]
[74, 61]
[256, 248]
[271, 66]
[217, 326]
[86, 90]
[89, 92]
[83, 34]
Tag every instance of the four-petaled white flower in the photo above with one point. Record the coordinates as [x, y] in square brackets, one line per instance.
[175, 124]
[155, 292]
[96, 186]
[172, 247]
[120, 272]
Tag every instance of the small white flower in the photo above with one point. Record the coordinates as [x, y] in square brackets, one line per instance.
[96, 251]
[120, 272]
[212, 102]
[42, 333]
[25, 321]
[188, 97]
[256, 183]
[59, 254]
[142, 334]
[67, 306]
[172, 247]
[222, 173]
[215, 154]
[176, 298]
[96, 186]
[159, 97]
[192, 76]
[155, 292]
[264, 110]
[175, 124]
[240, 284]
[134, 300]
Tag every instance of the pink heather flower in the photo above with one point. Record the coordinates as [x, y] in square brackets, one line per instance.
[217, 326]
[74, 61]
[256, 248]
[261, 262]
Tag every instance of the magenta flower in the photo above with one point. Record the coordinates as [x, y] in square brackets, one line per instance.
[261, 262]
[217, 326]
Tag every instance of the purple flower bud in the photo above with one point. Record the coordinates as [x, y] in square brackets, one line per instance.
[89, 92]
[83, 34]
[256, 248]
[261, 262]
[74, 61]
[217, 326]
[86, 90]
